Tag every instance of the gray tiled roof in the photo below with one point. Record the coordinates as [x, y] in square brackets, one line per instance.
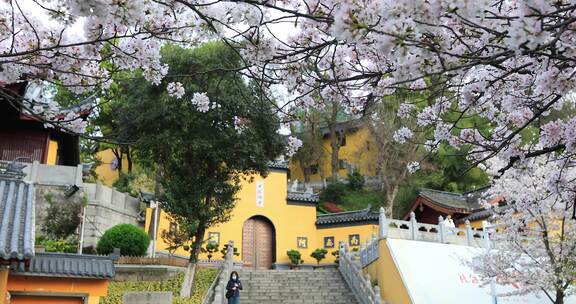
[468, 201]
[278, 164]
[483, 214]
[16, 219]
[364, 215]
[302, 197]
[67, 265]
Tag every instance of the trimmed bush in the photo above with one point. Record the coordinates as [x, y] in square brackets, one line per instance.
[131, 240]
[319, 254]
[295, 257]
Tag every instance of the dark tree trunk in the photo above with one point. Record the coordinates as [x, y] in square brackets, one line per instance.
[559, 297]
[334, 142]
[118, 154]
[129, 159]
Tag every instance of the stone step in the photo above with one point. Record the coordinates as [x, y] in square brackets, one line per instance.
[303, 286]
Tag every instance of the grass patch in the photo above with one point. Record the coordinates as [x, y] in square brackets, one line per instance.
[359, 199]
[204, 278]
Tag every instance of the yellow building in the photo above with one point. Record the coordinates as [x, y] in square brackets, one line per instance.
[268, 221]
[357, 153]
[108, 171]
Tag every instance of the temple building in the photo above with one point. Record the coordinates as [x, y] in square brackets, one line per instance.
[26, 138]
[268, 221]
[430, 204]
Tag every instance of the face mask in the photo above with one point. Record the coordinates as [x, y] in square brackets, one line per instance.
[234, 277]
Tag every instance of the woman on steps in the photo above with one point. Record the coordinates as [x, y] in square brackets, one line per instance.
[233, 288]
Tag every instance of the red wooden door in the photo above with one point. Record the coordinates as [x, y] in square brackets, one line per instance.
[258, 243]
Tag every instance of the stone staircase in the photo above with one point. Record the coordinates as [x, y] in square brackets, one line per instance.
[324, 286]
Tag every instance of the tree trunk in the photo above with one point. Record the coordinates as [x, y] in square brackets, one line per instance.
[186, 289]
[118, 154]
[307, 172]
[334, 143]
[129, 159]
[559, 297]
[391, 196]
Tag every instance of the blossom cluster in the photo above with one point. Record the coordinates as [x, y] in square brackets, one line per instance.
[203, 103]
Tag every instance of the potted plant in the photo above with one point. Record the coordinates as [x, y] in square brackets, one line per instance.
[319, 254]
[224, 250]
[336, 254]
[295, 258]
[210, 249]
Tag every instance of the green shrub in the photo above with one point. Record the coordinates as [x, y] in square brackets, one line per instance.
[359, 199]
[356, 181]
[319, 254]
[131, 240]
[62, 216]
[333, 193]
[58, 245]
[295, 257]
[123, 182]
[336, 254]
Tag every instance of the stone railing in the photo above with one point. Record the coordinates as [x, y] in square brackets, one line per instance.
[412, 230]
[359, 283]
[369, 251]
[216, 293]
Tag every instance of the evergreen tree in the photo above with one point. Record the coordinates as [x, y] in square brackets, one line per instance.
[202, 139]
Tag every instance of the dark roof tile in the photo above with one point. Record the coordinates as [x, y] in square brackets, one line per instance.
[302, 197]
[67, 265]
[16, 219]
[357, 216]
[468, 201]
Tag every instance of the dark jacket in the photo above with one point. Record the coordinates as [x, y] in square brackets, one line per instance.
[231, 284]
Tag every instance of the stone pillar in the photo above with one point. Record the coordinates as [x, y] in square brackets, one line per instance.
[78, 177]
[383, 223]
[34, 171]
[441, 229]
[230, 256]
[469, 233]
[377, 299]
[413, 225]
[486, 236]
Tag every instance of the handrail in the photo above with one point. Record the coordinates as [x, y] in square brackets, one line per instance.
[220, 287]
[209, 296]
[412, 230]
[359, 283]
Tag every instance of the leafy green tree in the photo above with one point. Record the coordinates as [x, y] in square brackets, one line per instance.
[200, 155]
